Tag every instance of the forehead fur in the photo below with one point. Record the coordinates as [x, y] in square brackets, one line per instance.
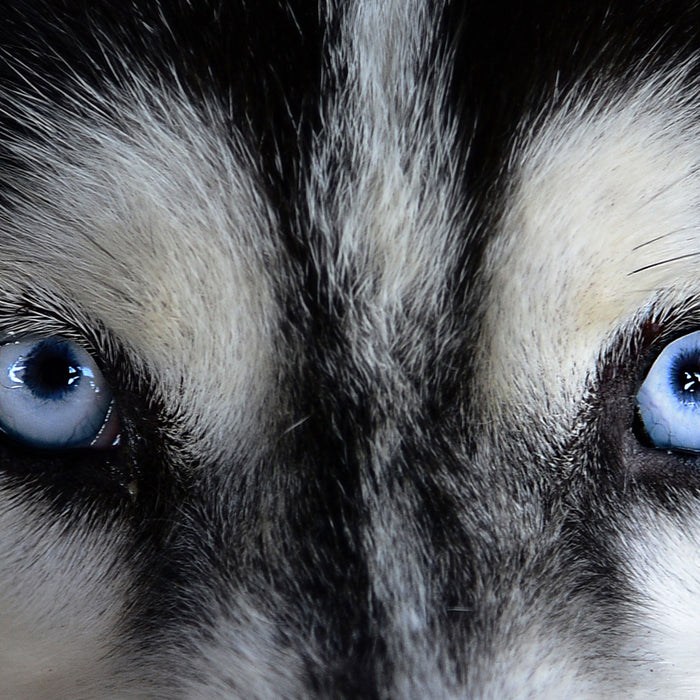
[149, 215]
[604, 214]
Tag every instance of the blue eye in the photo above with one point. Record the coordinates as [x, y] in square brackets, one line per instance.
[53, 396]
[669, 399]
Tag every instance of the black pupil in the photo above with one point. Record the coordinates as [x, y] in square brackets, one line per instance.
[50, 371]
[686, 377]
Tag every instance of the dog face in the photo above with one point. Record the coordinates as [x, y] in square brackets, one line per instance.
[349, 351]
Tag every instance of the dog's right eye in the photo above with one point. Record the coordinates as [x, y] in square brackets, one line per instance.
[53, 396]
[669, 398]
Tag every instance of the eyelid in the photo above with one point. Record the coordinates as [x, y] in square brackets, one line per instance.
[109, 435]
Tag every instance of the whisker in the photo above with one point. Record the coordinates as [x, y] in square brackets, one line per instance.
[665, 235]
[296, 425]
[663, 190]
[663, 262]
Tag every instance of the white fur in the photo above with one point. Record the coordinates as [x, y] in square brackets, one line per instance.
[602, 190]
[664, 567]
[160, 211]
[60, 598]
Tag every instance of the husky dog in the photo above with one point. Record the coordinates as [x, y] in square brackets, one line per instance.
[349, 350]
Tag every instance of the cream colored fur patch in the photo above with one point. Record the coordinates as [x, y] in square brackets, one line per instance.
[604, 215]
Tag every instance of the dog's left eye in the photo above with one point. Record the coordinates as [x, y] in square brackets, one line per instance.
[53, 396]
[669, 399]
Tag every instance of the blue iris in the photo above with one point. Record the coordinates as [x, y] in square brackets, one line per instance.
[52, 395]
[669, 398]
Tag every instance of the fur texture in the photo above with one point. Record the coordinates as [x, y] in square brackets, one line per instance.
[374, 285]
